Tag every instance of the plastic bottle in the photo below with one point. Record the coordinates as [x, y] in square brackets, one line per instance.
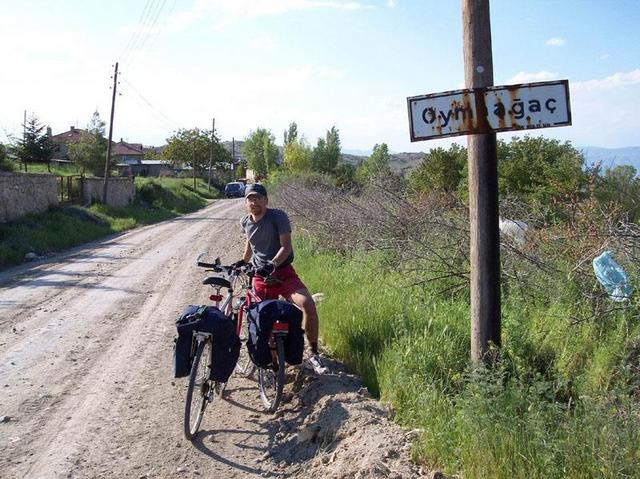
[612, 277]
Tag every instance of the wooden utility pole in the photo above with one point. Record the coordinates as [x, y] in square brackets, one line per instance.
[233, 156]
[108, 158]
[213, 129]
[193, 162]
[483, 187]
[24, 140]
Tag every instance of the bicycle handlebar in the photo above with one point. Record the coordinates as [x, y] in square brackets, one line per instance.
[207, 265]
[231, 270]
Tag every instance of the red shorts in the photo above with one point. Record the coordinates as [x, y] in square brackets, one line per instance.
[290, 284]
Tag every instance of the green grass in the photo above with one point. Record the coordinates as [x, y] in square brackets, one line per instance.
[157, 199]
[59, 170]
[563, 401]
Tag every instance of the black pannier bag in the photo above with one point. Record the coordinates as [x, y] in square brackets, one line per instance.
[226, 343]
[261, 318]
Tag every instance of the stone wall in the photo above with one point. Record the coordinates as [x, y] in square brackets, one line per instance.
[22, 193]
[121, 191]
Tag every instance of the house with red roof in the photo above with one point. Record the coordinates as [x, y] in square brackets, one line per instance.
[127, 153]
[62, 141]
[128, 156]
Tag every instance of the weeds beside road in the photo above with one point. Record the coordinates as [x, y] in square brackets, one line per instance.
[563, 398]
[157, 199]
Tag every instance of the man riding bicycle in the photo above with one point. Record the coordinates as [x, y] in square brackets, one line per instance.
[268, 247]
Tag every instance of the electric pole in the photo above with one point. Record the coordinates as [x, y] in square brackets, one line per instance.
[213, 129]
[233, 156]
[108, 159]
[483, 187]
[24, 140]
[193, 162]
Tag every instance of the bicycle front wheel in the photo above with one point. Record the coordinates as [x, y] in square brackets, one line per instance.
[271, 379]
[199, 389]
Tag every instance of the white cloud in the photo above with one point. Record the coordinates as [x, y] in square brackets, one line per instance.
[604, 112]
[556, 42]
[391, 3]
[615, 81]
[528, 77]
[225, 13]
[263, 43]
[272, 7]
[331, 73]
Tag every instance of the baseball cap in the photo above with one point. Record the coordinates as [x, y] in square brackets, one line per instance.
[255, 189]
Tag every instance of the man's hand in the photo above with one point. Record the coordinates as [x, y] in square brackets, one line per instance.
[266, 270]
[238, 264]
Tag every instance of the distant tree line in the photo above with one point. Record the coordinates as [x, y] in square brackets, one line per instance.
[261, 153]
[545, 175]
[542, 173]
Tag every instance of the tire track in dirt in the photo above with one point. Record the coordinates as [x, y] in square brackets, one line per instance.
[89, 384]
[65, 342]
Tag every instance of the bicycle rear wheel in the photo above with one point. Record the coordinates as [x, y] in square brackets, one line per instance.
[198, 390]
[271, 379]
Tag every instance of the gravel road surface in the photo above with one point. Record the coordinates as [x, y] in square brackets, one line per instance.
[86, 385]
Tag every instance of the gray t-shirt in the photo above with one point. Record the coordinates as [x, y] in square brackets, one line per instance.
[264, 236]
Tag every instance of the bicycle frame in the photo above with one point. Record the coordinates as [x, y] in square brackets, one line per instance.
[271, 378]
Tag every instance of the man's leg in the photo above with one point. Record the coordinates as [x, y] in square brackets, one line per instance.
[303, 300]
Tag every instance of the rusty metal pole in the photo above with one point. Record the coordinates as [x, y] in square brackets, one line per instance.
[483, 187]
[108, 159]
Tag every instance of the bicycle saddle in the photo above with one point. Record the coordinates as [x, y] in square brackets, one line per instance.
[216, 280]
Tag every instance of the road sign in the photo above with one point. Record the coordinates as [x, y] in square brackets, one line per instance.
[490, 109]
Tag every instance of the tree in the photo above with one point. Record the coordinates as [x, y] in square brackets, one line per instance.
[291, 134]
[542, 171]
[152, 155]
[376, 165]
[5, 163]
[90, 153]
[297, 155]
[326, 154]
[333, 150]
[35, 146]
[261, 152]
[619, 187]
[318, 155]
[240, 171]
[440, 170]
[191, 148]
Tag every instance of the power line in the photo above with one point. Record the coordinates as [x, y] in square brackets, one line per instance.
[156, 110]
[151, 29]
[157, 31]
[134, 35]
[146, 30]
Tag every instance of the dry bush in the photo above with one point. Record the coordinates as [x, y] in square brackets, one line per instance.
[427, 236]
[412, 231]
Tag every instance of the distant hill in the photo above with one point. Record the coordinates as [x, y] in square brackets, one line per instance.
[611, 157]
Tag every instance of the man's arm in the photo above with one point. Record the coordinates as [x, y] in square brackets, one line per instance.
[248, 252]
[284, 251]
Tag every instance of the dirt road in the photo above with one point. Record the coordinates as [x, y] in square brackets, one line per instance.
[86, 386]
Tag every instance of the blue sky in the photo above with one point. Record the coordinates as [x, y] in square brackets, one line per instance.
[351, 64]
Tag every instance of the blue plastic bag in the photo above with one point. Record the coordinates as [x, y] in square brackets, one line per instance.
[612, 277]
